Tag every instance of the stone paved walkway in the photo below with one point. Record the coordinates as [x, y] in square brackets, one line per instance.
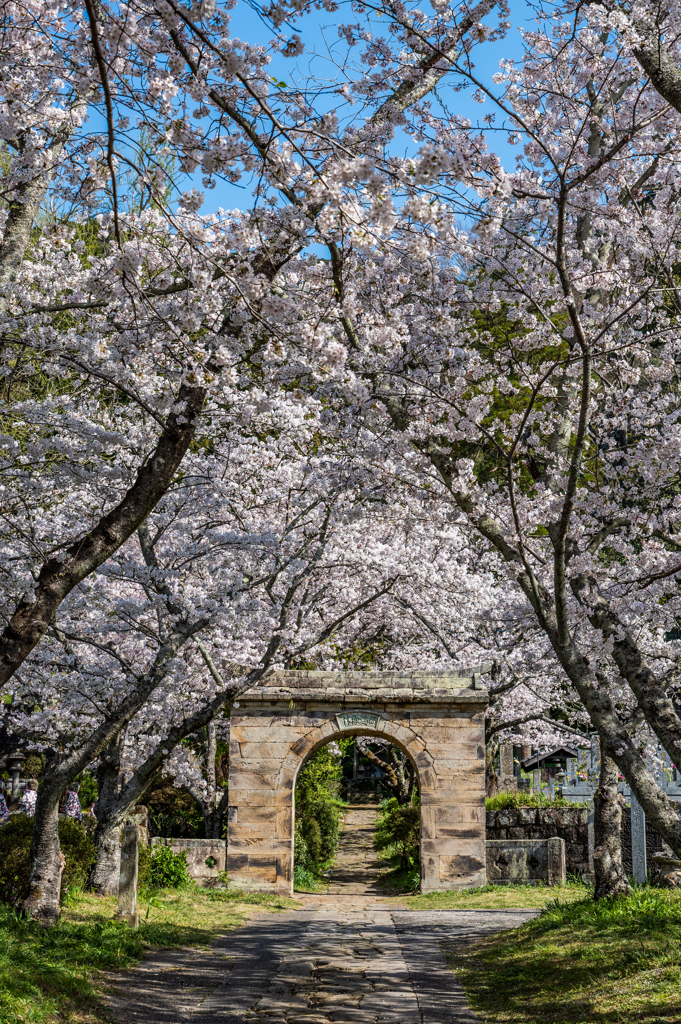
[345, 957]
[357, 867]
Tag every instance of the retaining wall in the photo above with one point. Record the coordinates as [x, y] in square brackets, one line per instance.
[198, 852]
[567, 823]
[529, 861]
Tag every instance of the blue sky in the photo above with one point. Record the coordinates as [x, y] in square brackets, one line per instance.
[319, 34]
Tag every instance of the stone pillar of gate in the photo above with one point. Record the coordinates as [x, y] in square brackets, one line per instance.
[436, 718]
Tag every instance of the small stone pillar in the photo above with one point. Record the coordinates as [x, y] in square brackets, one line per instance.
[536, 780]
[127, 884]
[507, 779]
[556, 861]
[639, 860]
[591, 833]
[16, 761]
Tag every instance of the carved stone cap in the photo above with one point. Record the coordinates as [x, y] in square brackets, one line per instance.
[664, 858]
[461, 687]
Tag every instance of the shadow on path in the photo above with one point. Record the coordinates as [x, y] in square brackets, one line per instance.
[347, 956]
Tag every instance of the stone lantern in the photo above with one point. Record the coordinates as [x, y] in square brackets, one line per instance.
[15, 762]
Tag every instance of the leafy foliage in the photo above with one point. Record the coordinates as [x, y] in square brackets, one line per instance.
[173, 812]
[15, 844]
[398, 832]
[168, 870]
[317, 815]
[504, 800]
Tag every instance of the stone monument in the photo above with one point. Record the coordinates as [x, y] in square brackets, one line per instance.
[127, 883]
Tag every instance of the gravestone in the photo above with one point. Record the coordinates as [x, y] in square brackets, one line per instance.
[536, 780]
[571, 771]
[639, 859]
[127, 883]
[507, 779]
[556, 861]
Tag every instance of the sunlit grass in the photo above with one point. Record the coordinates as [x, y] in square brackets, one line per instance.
[52, 975]
[497, 897]
[580, 962]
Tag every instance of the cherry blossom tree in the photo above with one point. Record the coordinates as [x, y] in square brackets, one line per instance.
[530, 359]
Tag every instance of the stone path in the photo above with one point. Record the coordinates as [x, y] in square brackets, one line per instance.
[357, 867]
[348, 956]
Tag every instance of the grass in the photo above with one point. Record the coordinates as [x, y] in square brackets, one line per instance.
[580, 962]
[52, 975]
[498, 897]
[504, 800]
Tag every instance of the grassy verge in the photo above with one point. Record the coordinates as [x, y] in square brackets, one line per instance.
[581, 962]
[497, 897]
[502, 801]
[50, 976]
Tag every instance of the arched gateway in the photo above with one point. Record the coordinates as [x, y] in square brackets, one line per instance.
[436, 718]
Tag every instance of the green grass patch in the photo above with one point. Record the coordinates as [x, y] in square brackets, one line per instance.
[580, 962]
[498, 897]
[504, 800]
[53, 975]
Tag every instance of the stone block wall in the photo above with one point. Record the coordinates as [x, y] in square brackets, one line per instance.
[529, 861]
[568, 823]
[198, 851]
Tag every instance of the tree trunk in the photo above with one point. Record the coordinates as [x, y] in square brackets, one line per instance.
[104, 875]
[611, 881]
[42, 902]
[212, 822]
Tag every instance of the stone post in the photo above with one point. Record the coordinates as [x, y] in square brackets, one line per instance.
[639, 860]
[556, 861]
[551, 788]
[507, 778]
[15, 762]
[536, 780]
[591, 833]
[127, 884]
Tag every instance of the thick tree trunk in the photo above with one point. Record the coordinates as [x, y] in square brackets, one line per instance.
[104, 876]
[42, 903]
[611, 881]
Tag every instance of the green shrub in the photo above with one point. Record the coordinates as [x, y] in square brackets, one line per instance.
[15, 846]
[79, 850]
[173, 813]
[168, 870]
[303, 880]
[505, 800]
[316, 835]
[398, 832]
[326, 816]
[144, 866]
[317, 812]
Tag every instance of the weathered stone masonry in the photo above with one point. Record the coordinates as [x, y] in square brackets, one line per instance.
[436, 718]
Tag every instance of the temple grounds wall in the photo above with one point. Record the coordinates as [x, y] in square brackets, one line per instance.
[436, 718]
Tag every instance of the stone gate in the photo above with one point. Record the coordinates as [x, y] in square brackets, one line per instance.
[437, 719]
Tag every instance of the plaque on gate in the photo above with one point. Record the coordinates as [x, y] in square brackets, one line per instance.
[356, 720]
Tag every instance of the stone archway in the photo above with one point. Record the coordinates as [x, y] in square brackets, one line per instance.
[437, 718]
